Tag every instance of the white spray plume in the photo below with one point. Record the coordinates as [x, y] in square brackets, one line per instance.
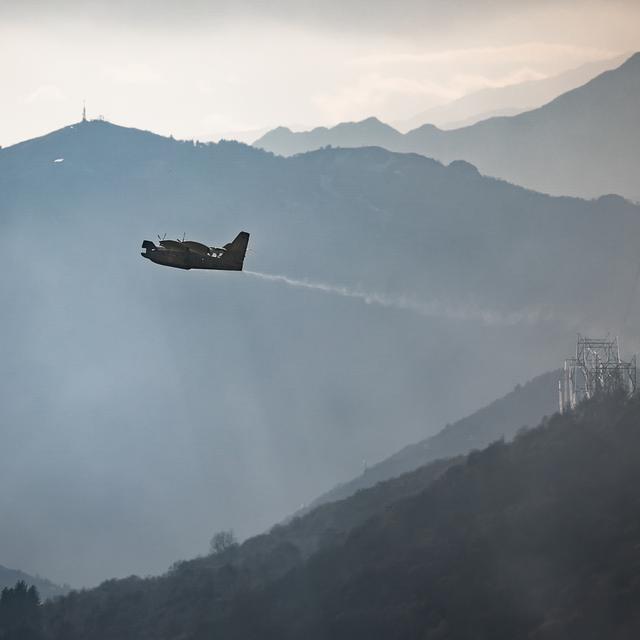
[431, 309]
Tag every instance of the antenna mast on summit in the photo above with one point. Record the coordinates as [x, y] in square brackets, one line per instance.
[84, 111]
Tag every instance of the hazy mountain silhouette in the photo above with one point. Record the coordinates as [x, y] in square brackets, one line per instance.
[46, 588]
[484, 115]
[366, 133]
[584, 143]
[536, 538]
[144, 407]
[526, 405]
[508, 100]
[369, 132]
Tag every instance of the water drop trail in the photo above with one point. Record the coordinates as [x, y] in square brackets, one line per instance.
[432, 309]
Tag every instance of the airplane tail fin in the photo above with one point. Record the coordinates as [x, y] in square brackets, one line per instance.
[236, 250]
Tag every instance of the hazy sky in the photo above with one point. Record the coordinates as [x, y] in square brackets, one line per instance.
[198, 68]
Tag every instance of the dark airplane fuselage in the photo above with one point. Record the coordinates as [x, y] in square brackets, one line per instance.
[193, 255]
[190, 260]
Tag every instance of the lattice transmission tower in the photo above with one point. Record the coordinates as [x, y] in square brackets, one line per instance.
[596, 369]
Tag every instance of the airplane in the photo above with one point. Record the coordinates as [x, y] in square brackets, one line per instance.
[188, 254]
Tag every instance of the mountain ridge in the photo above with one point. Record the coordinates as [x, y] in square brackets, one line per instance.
[526, 405]
[507, 100]
[558, 146]
[497, 545]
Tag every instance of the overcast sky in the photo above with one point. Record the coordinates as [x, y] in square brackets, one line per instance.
[198, 68]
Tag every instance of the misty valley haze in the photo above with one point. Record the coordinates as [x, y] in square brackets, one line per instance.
[351, 429]
[513, 541]
[153, 407]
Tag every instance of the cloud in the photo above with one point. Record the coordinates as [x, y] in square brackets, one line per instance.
[481, 55]
[392, 84]
[453, 73]
[371, 94]
[133, 73]
[46, 93]
[220, 122]
[404, 17]
[463, 83]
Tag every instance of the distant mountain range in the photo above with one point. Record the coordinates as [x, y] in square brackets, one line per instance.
[46, 588]
[584, 143]
[508, 100]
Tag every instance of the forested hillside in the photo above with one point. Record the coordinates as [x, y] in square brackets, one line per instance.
[537, 538]
[46, 588]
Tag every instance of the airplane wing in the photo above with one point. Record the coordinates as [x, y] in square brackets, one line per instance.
[174, 245]
[196, 247]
